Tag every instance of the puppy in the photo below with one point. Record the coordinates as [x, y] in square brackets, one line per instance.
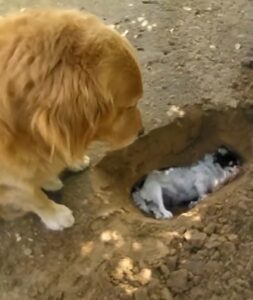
[66, 80]
[161, 190]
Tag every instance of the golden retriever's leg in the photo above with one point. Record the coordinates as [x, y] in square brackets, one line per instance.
[80, 165]
[53, 184]
[54, 216]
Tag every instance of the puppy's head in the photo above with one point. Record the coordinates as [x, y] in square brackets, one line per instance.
[227, 158]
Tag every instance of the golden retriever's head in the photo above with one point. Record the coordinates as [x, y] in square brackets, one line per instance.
[74, 80]
[121, 82]
[111, 83]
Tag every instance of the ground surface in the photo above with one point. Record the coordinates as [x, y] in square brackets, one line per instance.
[191, 52]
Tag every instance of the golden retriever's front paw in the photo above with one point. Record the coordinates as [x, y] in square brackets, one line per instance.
[53, 185]
[80, 165]
[61, 218]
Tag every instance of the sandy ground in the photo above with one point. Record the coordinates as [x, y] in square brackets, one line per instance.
[191, 53]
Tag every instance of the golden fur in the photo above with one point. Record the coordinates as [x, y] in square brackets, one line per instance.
[66, 80]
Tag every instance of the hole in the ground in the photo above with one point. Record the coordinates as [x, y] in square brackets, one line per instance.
[184, 141]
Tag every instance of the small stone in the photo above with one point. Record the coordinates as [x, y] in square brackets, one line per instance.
[196, 280]
[172, 251]
[18, 237]
[226, 275]
[141, 294]
[213, 266]
[216, 255]
[237, 46]
[197, 293]
[172, 262]
[222, 220]
[213, 47]
[212, 244]
[214, 286]
[27, 251]
[166, 294]
[144, 277]
[195, 266]
[232, 237]
[178, 280]
[144, 23]
[210, 228]
[195, 238]
[140, 19]
[187, 8]
[164, 270]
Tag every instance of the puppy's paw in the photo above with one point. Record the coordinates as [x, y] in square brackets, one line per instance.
[53, 185]
[80, 165]
[60, 218]
[165, 214]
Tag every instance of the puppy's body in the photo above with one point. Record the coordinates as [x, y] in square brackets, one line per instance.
[162, 190]
[66, 80]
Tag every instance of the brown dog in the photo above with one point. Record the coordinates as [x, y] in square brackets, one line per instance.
[66, 80]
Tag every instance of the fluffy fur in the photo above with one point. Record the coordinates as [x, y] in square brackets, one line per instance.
[161, 190]
[66, 80]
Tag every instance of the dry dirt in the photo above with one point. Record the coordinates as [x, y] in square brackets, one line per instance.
[191, 53]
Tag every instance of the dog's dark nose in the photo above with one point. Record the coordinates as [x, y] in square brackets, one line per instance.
[141, 132]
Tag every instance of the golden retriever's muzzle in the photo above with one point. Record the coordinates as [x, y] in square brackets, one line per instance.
[141, 132]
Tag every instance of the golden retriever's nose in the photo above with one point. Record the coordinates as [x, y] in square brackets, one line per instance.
[141, 132]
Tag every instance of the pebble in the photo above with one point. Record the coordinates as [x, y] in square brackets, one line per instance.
[172, 251]
[178, 280]
[144, 277]
[164, 270]
[18, 237]
[232, 237]
[187, 8]
[166, 294]
[27, 251]
[210, 228]
[172, 262]
[197, 293]
[195, 266]
[195, 238]
[237, 46]
[141, 294]
[212, 244]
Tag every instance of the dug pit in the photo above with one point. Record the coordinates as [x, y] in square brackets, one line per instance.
[185, 140]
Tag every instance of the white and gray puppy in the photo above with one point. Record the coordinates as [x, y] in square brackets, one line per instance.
[164, 189]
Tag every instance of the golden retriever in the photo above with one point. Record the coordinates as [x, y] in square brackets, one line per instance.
[66, 80]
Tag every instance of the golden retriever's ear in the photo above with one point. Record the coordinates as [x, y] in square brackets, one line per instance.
[68, 111]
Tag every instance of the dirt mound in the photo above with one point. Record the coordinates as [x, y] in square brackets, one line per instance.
[198, 249]
[191, 133]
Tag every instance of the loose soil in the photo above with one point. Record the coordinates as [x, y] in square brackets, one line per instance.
[197, 96]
